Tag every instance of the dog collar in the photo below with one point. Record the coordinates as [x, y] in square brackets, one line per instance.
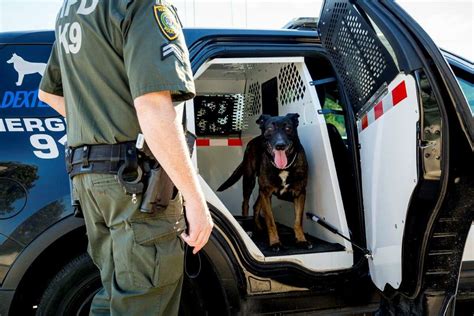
[291, 163]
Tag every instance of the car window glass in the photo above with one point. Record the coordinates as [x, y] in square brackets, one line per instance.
[468, 89]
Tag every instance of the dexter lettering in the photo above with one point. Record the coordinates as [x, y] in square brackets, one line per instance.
[21, 99]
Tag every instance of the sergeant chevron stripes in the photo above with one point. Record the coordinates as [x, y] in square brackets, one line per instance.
[172, 49]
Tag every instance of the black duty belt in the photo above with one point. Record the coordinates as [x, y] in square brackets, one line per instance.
[123, 160]
[101, 158]
[136, 170]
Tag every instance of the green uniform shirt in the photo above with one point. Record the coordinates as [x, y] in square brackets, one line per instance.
[107, 53]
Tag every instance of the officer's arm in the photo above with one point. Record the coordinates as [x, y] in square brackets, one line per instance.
[54, 101]
[164, 135]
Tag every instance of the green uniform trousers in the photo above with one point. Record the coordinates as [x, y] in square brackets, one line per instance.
[140, 256]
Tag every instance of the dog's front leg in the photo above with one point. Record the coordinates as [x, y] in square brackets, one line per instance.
[266, 205]
[20, 79]
[301, 241]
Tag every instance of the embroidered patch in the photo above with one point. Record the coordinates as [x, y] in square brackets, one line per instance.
[166, 21]
[170, 49]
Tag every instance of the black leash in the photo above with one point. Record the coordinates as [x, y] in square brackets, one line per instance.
[186, 263]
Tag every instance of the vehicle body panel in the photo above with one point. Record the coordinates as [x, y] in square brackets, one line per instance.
[389, 164]
[357, 35]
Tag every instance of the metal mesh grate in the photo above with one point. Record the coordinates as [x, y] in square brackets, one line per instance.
[218, 114]
[361, 60]
[238, 114]
[254, 99]
[291, 86]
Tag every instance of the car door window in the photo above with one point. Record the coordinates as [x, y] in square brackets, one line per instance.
[468, 89]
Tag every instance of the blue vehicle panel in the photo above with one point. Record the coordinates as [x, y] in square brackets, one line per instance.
[33, 183]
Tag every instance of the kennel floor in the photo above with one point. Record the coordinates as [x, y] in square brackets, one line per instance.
[287, 239]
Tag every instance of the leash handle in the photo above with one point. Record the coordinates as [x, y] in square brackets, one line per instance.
[186, 263]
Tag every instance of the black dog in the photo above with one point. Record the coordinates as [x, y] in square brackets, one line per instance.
[278, 159]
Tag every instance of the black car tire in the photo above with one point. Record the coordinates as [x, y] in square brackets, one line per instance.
[192, 300]
[71, 290]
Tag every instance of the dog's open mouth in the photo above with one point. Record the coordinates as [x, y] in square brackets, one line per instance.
[280, 159]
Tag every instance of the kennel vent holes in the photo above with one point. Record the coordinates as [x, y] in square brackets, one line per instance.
[359, 56]
[290, 85]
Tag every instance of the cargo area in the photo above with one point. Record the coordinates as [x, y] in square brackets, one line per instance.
[231, 96]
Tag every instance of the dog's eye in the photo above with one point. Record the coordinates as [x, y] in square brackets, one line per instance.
[270, 128]
[288, 128]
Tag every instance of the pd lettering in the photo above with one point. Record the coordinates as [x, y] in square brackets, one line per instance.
[83, 9]
[70, 34]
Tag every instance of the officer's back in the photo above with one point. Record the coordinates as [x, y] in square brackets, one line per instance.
[107, 59]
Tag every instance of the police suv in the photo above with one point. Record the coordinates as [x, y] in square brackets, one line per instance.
[386, 120]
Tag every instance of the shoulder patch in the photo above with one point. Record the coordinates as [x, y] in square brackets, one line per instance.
[166, 21]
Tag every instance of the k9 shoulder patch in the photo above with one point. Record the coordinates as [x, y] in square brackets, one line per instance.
[166, 21]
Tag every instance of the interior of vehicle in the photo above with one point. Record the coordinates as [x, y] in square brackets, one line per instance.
[231, 96]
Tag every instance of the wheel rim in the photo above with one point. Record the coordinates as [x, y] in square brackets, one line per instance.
[84, 308]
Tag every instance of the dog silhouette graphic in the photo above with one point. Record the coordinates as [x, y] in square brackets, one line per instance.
[24, 67]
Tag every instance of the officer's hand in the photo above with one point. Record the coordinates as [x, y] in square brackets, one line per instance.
[199, 224]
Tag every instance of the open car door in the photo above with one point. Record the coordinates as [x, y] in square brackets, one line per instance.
[414, 131]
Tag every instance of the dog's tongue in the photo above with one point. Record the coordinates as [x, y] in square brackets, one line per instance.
[280, 159]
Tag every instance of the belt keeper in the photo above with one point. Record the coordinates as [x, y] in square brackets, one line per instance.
[85, 156]
[131, 157]
[115, 156]
[69, 157]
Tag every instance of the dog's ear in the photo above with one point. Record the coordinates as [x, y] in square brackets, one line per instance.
[262, 120]
[294, 118]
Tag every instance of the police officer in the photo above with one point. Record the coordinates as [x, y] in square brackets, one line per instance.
[115, 69]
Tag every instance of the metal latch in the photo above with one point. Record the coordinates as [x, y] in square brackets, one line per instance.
[322, 81]
[425, 144]
[330, 111]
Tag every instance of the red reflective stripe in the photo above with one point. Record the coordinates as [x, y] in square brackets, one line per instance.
[203, 142]
[234, 142]
[378, 110]
[399, 93]
[365, 122]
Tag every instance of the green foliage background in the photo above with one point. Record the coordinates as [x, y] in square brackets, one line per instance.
[336, 120]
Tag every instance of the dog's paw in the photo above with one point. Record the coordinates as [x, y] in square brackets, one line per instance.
[304, 245]
[276, 247]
